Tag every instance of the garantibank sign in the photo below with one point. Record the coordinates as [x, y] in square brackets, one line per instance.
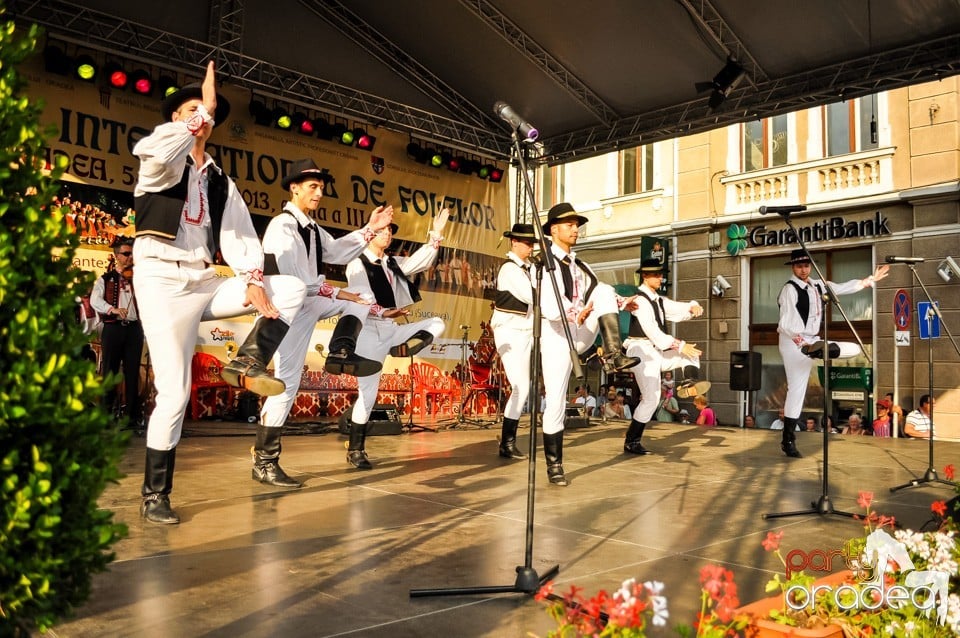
[833, 228]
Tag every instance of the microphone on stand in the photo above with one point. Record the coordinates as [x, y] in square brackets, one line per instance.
[904, 260]
[782, 210]
[508, 115]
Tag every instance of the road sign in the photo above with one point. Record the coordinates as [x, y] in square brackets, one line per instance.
[901, 310]
[902, 337]
[927, 321]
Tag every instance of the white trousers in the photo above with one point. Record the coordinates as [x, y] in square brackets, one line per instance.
[514, 347]
[555, 354]
[647, 373]
[173, 299]
[798, 366]
[290, 356]
[376, 339]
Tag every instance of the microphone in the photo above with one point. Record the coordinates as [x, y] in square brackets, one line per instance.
[508, 115]
[782, 210]
[904, 260]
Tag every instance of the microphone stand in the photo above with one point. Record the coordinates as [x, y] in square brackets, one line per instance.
[823, 505]
[930, 476]
[528, 581]
[466, 379]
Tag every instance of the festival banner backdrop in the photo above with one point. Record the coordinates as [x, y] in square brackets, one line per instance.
[97, 129]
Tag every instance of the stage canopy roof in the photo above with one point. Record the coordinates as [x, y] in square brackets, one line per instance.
[590, 76]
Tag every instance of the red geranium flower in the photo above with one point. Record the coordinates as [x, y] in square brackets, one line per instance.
[865, 499]
[772, 542]
[939, 508]
[948, 472]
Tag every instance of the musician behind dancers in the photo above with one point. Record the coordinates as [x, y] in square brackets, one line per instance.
[121, 340]
[801, 319]
[294, 244]
[587, 306]
[384, 280]
[512, 325]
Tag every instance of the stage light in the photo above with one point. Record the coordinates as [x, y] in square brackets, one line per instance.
[323, 128]
[470, 167]
[436, 159]
[303, 124]
[281, 118]
[347, 137]
[337, 130]
[417, 153]
[261, 114]
[115, 75]
[142, 82]
[485, 171]
[86, 68]
[948, 270]
[56, 61]
[364, 140]
[496, 175]
[168, 86]
[723, 83]
[454, 163]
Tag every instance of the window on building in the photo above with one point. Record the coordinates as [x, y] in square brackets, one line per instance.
[636, 169]
[765, 143]
[848, 125]
[551, 185]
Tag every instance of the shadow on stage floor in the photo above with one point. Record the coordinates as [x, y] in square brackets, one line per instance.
[441, 509]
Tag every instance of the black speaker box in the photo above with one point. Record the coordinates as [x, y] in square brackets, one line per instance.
[574, 418]
[745, 368]
[384, 420]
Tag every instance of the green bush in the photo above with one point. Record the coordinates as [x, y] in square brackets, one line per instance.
[57, 447]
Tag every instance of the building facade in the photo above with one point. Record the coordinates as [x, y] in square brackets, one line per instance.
[878, 176]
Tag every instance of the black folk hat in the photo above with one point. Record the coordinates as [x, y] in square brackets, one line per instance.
[651, 267]
[304, 169]
[798, 256]
[560, 213]
[522, 232]
[193, 92]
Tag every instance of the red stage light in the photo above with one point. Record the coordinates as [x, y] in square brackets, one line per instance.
[142, 82]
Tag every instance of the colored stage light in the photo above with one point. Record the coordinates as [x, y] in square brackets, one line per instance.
[364, 141]
[347, 137]
[485, 171]
[142, 82]
[338, 130]
[436, 159]
[454, 163]
[86, 68]
[168, 85]
[281, 118]
[303, 124]
[115, 75]
[496, 175]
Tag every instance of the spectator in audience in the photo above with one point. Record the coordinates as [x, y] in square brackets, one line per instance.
[707, 416]
[918, 423]
[778, 422]
[811, 424]
[883, 425]
[684, 417]
[669, 407]
[855, 425]
[749, 421]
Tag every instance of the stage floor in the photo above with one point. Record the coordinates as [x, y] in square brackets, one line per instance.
[441, 509]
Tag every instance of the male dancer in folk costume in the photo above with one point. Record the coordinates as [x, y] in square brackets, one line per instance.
[512, 324]
[588, 307]
[188, 210]
[385, 281]
[658, 350]
[294, 244]
[801, 319]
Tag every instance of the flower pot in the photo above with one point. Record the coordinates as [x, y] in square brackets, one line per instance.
[762, 626]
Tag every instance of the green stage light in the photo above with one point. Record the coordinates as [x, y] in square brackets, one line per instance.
[86, 68]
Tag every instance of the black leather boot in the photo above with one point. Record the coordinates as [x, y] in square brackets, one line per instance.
[553, 453]
[342, 358]
[789, 441]
[356, 454]
[631, 442]
[420, 340]
[249, 368]
[508, 440]
[689, 385]
[157, 484]
[815, 350]
[614, 360]
[266, 459]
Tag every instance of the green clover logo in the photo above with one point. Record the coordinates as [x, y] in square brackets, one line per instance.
[737, 234]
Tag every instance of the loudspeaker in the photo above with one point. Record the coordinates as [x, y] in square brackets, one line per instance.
[384, 420]
[745, 368]
[575, 418]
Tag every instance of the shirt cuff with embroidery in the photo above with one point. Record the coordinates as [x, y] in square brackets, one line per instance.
[196, 121]
[368, 234]
[377, 309]
[434, 238]
[254, 277]
[326, 290]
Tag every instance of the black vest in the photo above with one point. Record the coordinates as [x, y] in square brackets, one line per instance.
[567, 276]
[111, 294]
[380, 285]
[803, 300]
[158, 214]
[270, 266]
[636, 330]
[504, 300]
